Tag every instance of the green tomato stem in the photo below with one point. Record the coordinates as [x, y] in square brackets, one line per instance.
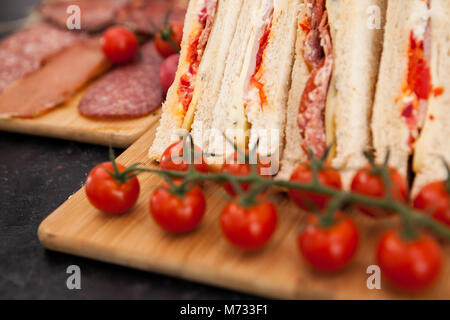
[409, 216]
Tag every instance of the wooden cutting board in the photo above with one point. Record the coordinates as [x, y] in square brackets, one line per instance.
[277, 271]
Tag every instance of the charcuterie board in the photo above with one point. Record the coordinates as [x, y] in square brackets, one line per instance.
[277, 271]
[65, 122]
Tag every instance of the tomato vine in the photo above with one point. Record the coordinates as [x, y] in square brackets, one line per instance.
[411, 218]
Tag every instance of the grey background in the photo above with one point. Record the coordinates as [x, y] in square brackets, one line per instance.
[12, 11]
[15, 9]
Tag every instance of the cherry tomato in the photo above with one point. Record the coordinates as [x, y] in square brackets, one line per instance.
[173, 158]
[167, 71]
[434, 199]
[366, 183]
[238, 167]
[307, 200]
[119, 44]
[164, 45]
[329, 249]
[409, 265]
[175, 214]
[108, 195]
[249, 228]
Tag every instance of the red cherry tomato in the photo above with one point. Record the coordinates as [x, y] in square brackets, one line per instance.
[366, 183]
[435, 200]
[167, 71]
[238, 167]
[249, 228]
[175, 214]
[307, 200]
[409, 265]
[108, 195]
[119, 44]
[329, 249]
[164, 45]
[173, 158]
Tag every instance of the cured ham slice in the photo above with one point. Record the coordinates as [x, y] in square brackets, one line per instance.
[319, 57]
[129, 91]
[139, 14]
[95, 15]
[24, 52]
[56, 82]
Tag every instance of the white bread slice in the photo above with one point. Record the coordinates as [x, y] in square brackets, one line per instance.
[229, 112]
[357, 36]
[267, 122]
[293, 154]
[389, 128]
[433, 146]
[356, 53]
[173, 113]
[211, 112]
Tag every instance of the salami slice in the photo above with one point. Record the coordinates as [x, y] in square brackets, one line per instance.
[128, 91]
[139, 14]
[95, 15]
[25, 51]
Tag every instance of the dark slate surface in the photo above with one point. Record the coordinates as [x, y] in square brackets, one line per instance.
[36, 176]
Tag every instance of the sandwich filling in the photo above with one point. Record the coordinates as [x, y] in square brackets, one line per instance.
[317, 53]
[418, 86]
[254, 86]
[198, 40]
[247, 91]
[255, 80]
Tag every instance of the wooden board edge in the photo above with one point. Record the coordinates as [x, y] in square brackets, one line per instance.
[57, 243]
[96, 138]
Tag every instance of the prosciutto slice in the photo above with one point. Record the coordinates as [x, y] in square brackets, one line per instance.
[25, 51]
[56, 82]
[319, 57]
